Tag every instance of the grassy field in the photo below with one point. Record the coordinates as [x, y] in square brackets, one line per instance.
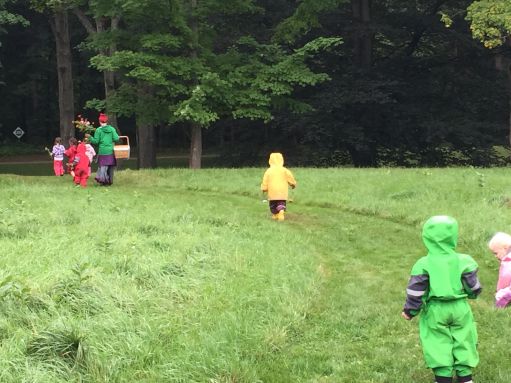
[174, 275]
[45, 167]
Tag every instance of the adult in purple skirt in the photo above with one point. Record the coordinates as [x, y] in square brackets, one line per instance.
[105, 136]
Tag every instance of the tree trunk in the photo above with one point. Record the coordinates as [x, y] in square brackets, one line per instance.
[60, 28]
[509, 98]
[196, 147]
[195, 161]
[109, 79]
[362, 37]
[362, 34]
[146, 145]
[221, 138]
[108, 76]
[146, 132]
[502, 63]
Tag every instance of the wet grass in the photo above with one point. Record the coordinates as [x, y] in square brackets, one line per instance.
[174, 275]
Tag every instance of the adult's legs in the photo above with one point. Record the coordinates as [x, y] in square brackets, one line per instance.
[102, 175]
[110, 173]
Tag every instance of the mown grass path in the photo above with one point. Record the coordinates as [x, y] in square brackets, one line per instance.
[352, 331]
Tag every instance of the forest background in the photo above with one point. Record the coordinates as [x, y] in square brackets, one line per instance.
[327, 82]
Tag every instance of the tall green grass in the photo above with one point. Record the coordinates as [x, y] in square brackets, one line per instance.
[181, 276]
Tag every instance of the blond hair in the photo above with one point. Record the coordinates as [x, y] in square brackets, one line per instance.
[500, 240]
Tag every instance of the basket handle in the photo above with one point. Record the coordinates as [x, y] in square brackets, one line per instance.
[124, 138]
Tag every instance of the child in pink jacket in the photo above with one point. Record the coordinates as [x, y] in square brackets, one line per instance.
[500, 246]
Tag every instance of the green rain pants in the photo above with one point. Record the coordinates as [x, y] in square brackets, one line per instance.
[449, 337]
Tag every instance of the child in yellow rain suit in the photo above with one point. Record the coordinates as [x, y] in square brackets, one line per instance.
[276, 180]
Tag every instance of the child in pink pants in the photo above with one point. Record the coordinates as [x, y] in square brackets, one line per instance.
[58, 157]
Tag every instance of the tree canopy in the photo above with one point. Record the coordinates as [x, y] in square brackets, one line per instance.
[329, 82]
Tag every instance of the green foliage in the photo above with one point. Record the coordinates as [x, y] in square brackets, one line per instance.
[45, 5]
[273, 75]
[10, 289]
[490, 21]
[9, 18]
[159, 42]
[444, 155]
[194, 109]
[305, 18]
[407, 112]
[245, 80]
[446, 19]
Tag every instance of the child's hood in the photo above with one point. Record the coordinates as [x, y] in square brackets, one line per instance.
[276, 159]
[440, 235]
[107, 129]
[80, 149]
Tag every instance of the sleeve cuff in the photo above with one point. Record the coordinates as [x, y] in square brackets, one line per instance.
[410, 313]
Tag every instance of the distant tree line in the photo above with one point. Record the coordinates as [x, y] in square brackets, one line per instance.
[328, 82]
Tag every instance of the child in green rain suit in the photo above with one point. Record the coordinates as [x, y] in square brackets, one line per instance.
[440, 284]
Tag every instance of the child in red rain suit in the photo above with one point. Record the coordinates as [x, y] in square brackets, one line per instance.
[81, 165]
[70, 154]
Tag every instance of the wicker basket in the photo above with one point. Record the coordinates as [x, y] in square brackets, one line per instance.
[122, 148]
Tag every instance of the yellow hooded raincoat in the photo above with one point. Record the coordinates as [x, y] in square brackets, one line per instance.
[277, 178]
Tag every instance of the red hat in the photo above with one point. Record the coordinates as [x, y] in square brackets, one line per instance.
[103, 117]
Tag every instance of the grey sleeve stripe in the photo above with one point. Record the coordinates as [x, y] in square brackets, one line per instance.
[471, 279]
[417, 287]
[419, 282]
[472, 282]
[477, 286]
[415, 293]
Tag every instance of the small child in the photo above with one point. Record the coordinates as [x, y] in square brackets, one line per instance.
[276, 180]
[58, 157]
[70, 154]
[90, 152]
[81, 165]
[500, 246]
[440, 284]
